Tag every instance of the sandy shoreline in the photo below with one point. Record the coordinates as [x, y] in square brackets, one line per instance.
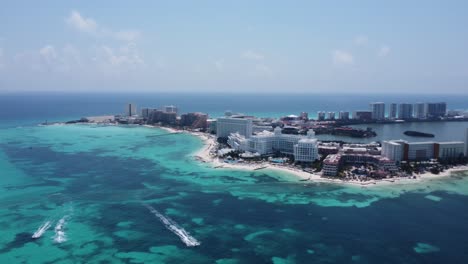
[209, 143]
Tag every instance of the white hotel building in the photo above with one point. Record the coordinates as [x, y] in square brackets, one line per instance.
[399, 150]
[227, 125]
[393, 149]
[378, 110]
[303, 148]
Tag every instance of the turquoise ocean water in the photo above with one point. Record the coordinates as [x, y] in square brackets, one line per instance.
[98, 180]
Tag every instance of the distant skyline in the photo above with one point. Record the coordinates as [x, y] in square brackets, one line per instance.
[241, 46]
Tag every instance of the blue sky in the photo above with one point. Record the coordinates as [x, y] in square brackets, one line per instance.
[229, 46]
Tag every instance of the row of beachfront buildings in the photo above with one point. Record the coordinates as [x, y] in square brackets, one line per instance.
[166, 115]
[393, 152]
[378, 111]
[246, 134]
[401, 150]
[239, 131]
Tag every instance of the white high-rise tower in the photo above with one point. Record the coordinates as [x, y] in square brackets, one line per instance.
[378, 110]
[130, 110]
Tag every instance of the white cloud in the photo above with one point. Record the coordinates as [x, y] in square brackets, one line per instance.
[81, 23]
[252, 55]
[48, 55]
[341, 57]
[49, 58]
[384, 51]
[125, 56]
[59, 60]
[361, 40]
[90, 26]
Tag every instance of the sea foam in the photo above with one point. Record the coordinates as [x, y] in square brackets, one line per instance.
[188, 240]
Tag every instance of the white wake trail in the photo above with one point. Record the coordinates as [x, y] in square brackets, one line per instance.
[188, 240]
[40, 231]
[60, 235]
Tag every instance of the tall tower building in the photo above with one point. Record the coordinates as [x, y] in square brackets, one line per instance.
[419, 110]
[227, 125]
[321, 115]
[405, 111]
[304, 116]
[393, 111]
[130, 110]
[436, 110]
[378, 110]
[343, 115]
[170, 109]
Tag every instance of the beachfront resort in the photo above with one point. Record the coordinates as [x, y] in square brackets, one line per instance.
[289, 143]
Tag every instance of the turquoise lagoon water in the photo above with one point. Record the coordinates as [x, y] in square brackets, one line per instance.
[98, 179]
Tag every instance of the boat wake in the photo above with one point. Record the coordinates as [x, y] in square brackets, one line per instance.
[60, 235]
[188, 240]
[40, 231]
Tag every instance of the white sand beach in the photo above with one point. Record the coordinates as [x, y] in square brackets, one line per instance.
[204, 155]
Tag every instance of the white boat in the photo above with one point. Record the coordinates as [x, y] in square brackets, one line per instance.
[40, 231]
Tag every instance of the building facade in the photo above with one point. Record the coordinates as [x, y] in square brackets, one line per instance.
[436, 110]
[321, 115]
[343, 115]
[306, 150]
[418, 151]
[449, 150]
[393, 111]
[333, 163]
[393, 149]
[405, 111]
[399, 150]
[419, 110]
[378, 110]
[362, 115]
[303, 148]
[159, 116]
[145, 112]
[130, 109]
[194, 120]
[171, 109]
[227, 125]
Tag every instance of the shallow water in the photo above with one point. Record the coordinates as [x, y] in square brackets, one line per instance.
[97, 178]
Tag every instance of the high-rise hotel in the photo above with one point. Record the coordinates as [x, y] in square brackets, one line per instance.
[227, 125]
[378, 110]
[405, 111]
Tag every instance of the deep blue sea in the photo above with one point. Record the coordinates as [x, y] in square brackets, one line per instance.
[93, 184]
[41, 106]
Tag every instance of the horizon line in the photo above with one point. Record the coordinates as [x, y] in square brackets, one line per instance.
[228, 92]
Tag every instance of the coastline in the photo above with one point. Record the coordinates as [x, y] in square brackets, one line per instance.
[203, 155]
